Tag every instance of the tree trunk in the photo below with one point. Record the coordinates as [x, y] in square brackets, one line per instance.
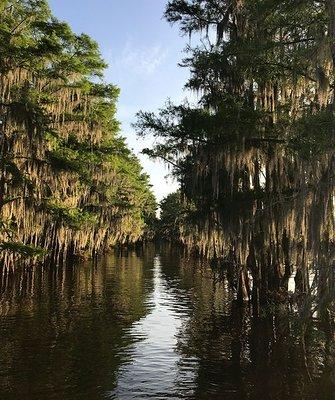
[330, 8]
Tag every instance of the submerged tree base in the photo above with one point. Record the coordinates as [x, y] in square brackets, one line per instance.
[155, 323]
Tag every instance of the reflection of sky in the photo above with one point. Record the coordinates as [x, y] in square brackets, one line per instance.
[143, 52]
[153, 370]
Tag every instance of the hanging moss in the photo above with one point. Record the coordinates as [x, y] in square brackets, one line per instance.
[255, 156]
[69, 184]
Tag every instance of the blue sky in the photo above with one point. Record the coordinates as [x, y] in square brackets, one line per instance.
[142, 51]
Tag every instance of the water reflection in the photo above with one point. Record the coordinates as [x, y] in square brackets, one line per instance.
[65, 333]
[153, 325]
[153, 371]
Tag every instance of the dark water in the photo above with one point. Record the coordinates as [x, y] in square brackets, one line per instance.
[150, 325]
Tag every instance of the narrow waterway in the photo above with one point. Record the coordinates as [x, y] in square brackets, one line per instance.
[144, 325]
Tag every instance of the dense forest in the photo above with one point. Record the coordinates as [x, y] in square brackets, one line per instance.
[69, 186]
[255, 156]
[232, 294]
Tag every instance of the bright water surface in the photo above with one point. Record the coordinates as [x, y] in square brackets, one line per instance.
[150, 325]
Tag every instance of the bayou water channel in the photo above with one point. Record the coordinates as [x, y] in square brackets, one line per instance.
[150, 324]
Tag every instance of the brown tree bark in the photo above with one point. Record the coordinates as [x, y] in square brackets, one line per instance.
[330, 8]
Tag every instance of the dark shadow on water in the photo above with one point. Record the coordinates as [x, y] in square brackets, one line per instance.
[153, 324]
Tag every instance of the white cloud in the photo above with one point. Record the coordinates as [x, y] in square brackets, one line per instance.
[142, 59]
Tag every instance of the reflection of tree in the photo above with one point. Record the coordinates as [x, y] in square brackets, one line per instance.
[64, 331]
[280, 354]
[67, 332]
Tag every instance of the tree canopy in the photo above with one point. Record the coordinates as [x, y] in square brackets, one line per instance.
[68, 183]
[254, 154]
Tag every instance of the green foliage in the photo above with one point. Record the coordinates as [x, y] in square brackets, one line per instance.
[174, 214]
[264, 74]
[74, 218]
[62, 157]
[26, 251]
[314, 134]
